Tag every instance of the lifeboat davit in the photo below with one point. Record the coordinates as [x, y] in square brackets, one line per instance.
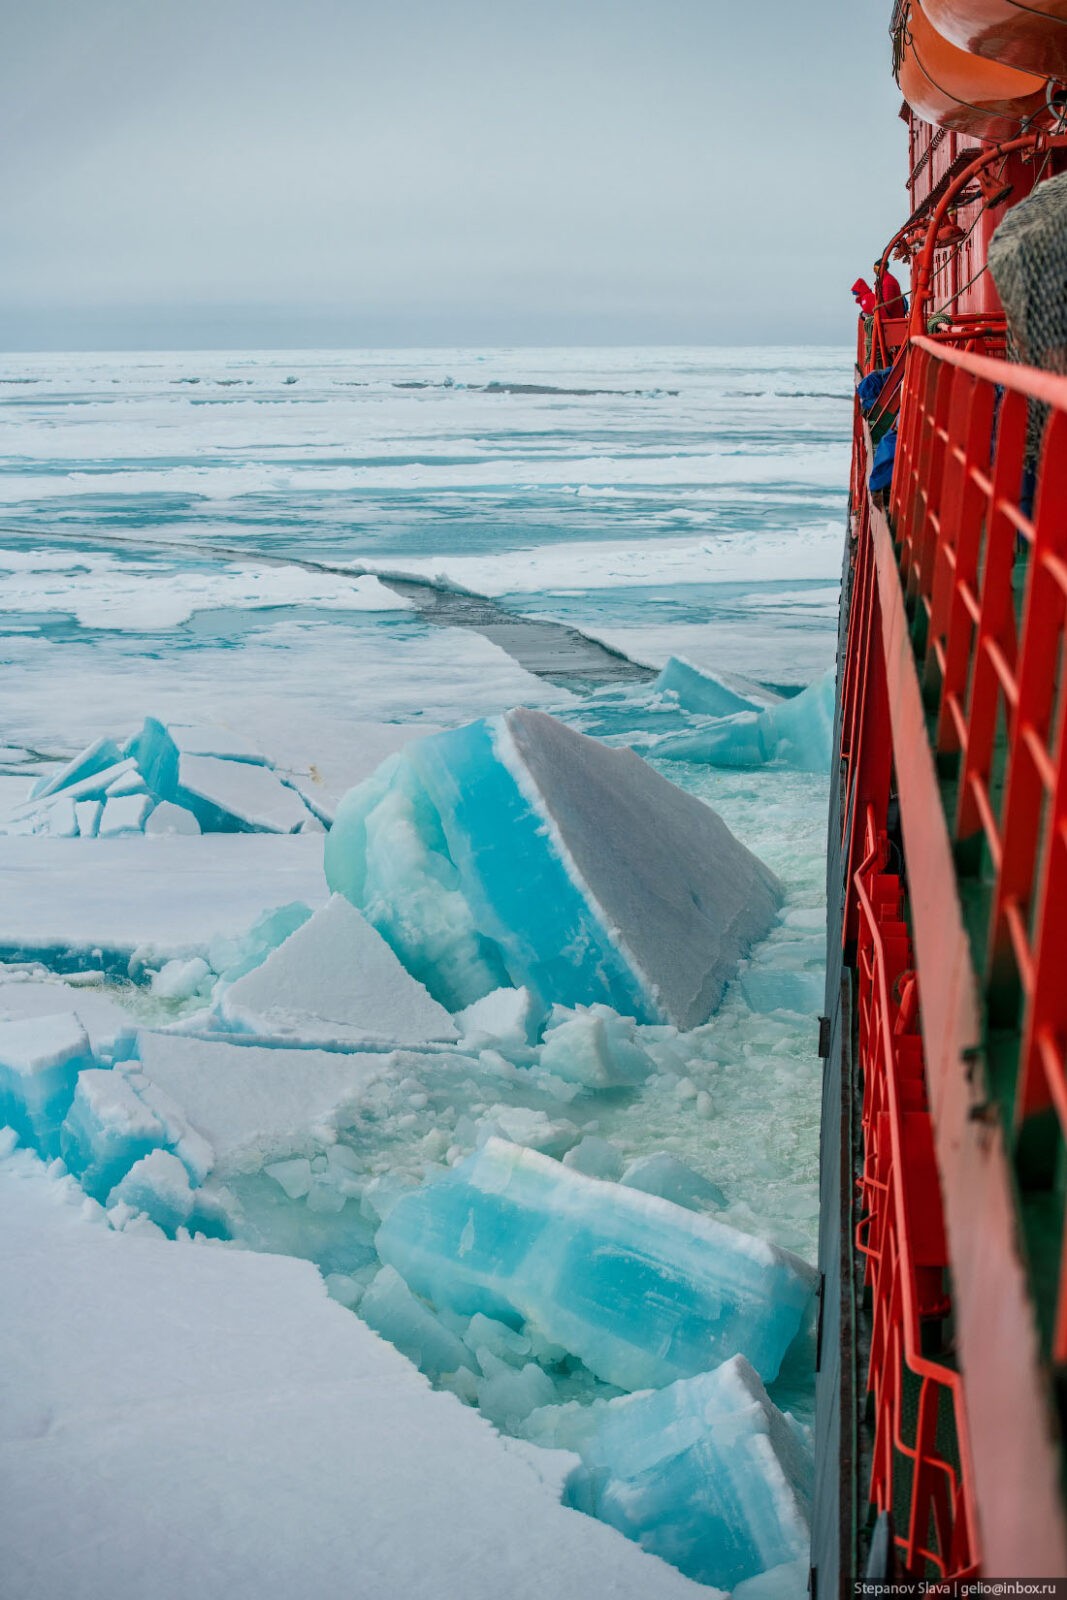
[1031, 37]
[952, 88]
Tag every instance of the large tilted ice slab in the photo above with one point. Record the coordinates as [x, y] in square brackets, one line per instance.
[706, 1473]
[642, 1291]
[185, 1420]
[518, 852]
[336, 979]
[797, 732]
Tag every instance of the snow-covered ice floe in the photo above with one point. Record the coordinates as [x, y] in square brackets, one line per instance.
[125, 900]
[198, 1392]
[517, 852]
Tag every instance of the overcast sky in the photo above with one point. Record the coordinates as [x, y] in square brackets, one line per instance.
[336, 172]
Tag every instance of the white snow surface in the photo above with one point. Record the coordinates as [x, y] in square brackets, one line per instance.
[213, 1424]
[103, 592]
[106, 1024]
[599, 564]
[173, 894]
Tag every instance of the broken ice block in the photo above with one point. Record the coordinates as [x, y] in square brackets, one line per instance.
[248, 1101]
[393, 1311]
[58, 818]
[232, 791]
[707, 1474]
[107, 1129]
[40, 1058]
[232, 958]
[672, 1180]
[88, 815]
[507, 1015]
[335, 978]
[702, 692]
[518, 851]
[507, 1396]
[641, 1290]
[124, 814]
[181, 980]
[534, 1129]
[797, 732]
[159, 1185]
[112, 1032]
[103, 753]
[596, 1157]
[229, 796]
[595, 1047]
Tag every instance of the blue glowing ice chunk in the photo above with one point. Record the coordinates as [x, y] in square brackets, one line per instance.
[107, 1130]
[518, 852]
[231, 958]
[158, 1184]
[640, 1290]
[707, 1474]
[702, 692]
[797, 732]
[98, 756]
[40, 1059]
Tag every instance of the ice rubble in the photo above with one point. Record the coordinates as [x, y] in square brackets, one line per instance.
[706, 1473]
[640, 1290]
[510, 1278]
[164, 779]
[516, 852]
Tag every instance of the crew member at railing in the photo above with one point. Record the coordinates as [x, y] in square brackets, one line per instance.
[888, 293]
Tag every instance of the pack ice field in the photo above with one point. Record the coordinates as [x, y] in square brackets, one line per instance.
[412, 808]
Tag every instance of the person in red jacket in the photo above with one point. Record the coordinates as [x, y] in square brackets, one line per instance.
[889, 295]
[865, 296]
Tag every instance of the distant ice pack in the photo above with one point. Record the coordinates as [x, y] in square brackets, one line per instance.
[516, 853]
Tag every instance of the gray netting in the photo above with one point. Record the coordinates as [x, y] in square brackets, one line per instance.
[1028, 261]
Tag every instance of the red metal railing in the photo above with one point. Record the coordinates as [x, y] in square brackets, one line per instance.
[953, 695]
[986, 579]
[920, 1426]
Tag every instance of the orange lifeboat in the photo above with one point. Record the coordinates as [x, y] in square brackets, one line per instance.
[955, 89]
[1031, 37]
